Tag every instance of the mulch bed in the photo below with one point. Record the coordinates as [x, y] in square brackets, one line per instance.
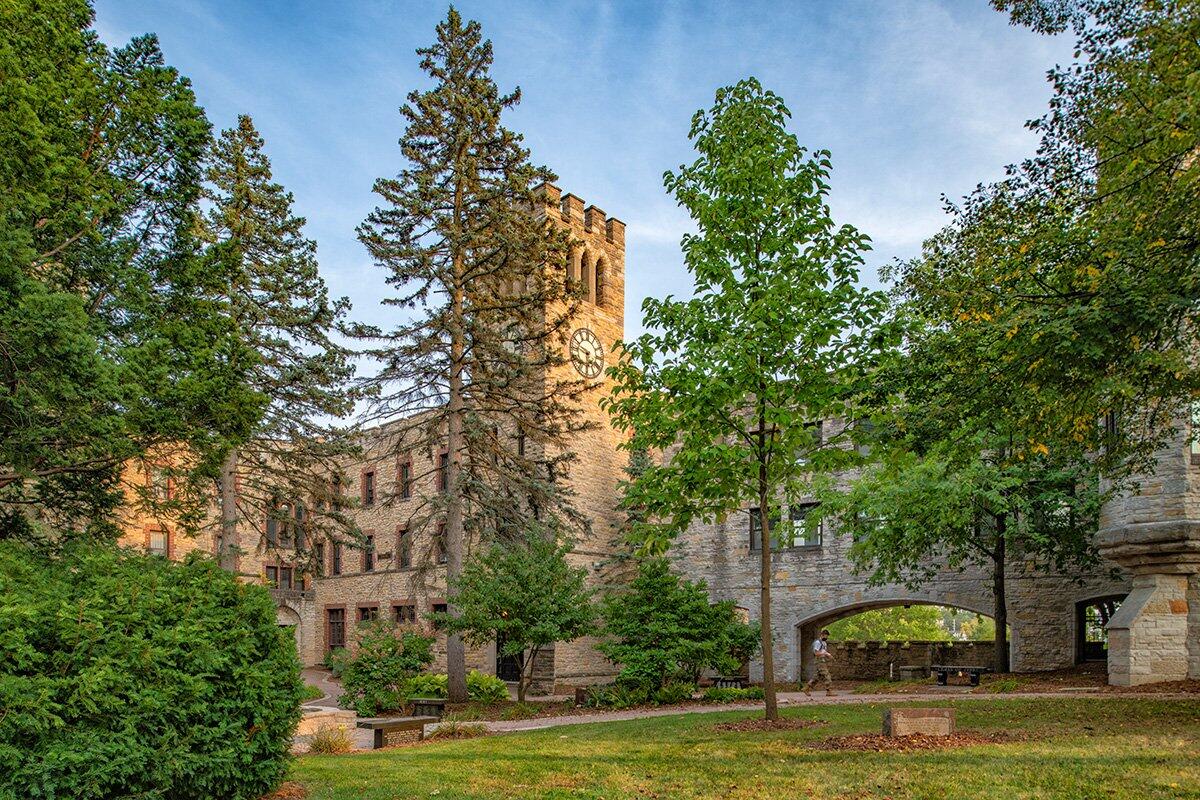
[749, 725]
[288, 790]
[878, 743]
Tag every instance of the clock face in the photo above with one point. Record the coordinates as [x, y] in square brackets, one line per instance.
[587, 354]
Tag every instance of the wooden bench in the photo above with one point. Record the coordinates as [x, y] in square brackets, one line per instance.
[729, 682]
[944, 672]
[396, 730]
[428, 706]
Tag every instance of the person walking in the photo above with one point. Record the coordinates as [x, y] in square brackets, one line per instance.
[820, 668]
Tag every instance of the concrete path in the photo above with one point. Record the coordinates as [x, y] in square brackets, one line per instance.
[323, 680]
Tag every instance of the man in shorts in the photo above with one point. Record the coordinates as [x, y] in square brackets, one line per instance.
[820, 666]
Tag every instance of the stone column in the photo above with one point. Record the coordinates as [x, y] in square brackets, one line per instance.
[1154, 533]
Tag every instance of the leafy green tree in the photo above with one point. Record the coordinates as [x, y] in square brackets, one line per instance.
[662, 629]
[477, 270]
[916, 623]
[1083, 261]
[108, 348]
[779, 335]
[127, 675]
[276, 481]
[525, 596]
[375, 679]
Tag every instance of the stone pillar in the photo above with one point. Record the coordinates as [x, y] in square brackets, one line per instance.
[1154, 532]
[1148, 637]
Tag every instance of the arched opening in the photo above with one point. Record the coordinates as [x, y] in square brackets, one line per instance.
[896, 639]
[585, 275]
[1091, 627]
[601, 276]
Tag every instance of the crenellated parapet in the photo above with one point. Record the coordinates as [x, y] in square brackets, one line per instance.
[597, 260]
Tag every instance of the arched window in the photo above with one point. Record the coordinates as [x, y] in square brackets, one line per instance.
[601, 276]
[585, 276]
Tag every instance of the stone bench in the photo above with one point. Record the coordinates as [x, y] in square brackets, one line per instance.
[396, 730]
[926, 721]
[944, 672]
[729, 682]
[428, 706]
[912, 673]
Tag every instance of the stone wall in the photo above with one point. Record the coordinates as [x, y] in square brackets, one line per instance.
[853, 660]
[813, 586]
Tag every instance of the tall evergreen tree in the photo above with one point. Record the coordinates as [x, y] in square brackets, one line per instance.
[478, 272]
[277, 481]
[734, 382]
[108, 349]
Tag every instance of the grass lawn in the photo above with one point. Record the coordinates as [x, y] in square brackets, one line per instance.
[1074, 748]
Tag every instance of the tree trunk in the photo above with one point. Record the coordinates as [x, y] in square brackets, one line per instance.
[1000, 662]
[768, 654]
[228, 547]
[456, 657]
[526, 675]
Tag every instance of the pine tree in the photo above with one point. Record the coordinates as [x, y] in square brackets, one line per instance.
[277, 479]
[479, 272]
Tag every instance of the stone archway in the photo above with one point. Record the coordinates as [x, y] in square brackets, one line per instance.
[808, 627]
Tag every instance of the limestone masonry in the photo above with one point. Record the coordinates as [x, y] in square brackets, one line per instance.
[1151, 537]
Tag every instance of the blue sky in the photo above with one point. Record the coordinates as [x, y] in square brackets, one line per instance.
[915, 98]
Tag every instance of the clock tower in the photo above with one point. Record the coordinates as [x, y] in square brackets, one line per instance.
[597, 264]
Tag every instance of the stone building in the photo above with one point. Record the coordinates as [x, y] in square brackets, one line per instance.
[1152, 535]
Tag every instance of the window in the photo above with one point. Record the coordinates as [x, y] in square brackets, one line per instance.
[286, 578]
[368, 613]
[443, 476]
[273, 522]
[159, 482]
[585, 275]
[368, 488]
[369, 555]
[404, 478]
[158, 542]
[439, 545]
[521, 443]
[403, 548]
[336, 567]
[439, 608]
[286, 529]
[271, 573]
[756, 528]
[319, 558]
[806, 535]
[405, 614]
[335, 628]
[600, 279]
[301, 526]
[815, 432]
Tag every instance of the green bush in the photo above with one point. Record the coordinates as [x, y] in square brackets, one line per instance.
[127, 675]
[673, 692]
[486, 688]
[617, 695]
[427, 685]
[336, 661]
[715, 695]
[662, 629]
[377, 679]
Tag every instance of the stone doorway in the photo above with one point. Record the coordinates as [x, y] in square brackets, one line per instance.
[1091, 627]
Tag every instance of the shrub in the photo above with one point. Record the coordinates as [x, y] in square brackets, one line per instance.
[673, 692]
[662, 629]
[618, 695]
[330, 740]
[427, 685]
[731, 695]
[336, 661]
[486, 688]
[377, 678]
[127, 675]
